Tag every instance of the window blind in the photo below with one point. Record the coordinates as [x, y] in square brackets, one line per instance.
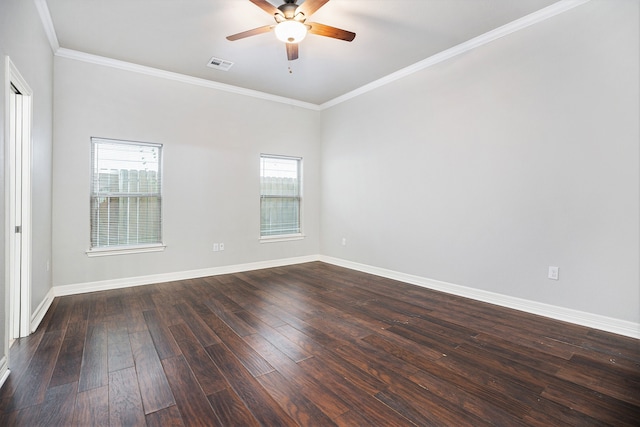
[126, 197]
[280, 195]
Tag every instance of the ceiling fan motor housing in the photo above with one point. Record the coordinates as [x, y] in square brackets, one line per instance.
[288, 9]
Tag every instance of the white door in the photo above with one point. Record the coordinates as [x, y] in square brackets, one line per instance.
[18, 203]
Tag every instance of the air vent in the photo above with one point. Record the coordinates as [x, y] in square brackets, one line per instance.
[219, 64]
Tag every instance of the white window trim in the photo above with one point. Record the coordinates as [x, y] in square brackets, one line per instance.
[282, 238]
[99, 251]
[122, 250]
[295, 236]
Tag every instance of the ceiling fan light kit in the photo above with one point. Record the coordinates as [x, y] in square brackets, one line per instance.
[291, 31]
[291, 26]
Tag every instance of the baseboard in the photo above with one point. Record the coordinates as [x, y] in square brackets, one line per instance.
[40, 312]
[590, 320]
[616, 326]
[4, 370]
[104, 285]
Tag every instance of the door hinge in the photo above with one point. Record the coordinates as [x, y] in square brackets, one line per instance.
[18, 229]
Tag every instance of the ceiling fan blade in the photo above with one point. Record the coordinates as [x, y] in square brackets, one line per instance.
[328, 31]
[292, 51]
[310, 6]
[266, 6]
[249, 33]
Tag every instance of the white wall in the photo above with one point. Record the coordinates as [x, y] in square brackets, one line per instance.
[31, 53]
[484, 170]
[212, 143]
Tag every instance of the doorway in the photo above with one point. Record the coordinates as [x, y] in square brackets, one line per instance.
[18, 201]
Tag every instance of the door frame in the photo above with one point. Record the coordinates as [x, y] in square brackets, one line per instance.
[18, 290]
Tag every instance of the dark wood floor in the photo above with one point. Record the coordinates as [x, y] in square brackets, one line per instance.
[312, 344]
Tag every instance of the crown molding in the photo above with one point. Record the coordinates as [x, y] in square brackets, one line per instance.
[47, 24]
[169, 75]
[519, 24]
[511, 27]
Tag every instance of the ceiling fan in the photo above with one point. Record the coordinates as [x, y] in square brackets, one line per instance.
[291, 26]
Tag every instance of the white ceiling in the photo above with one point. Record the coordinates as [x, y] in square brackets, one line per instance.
[181, 36]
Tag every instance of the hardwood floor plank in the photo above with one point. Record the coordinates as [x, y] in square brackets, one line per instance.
[205, 371]
[119, 353]
[193, 404]
[259, 402]
[305, 308]
[231, 410]
[309, 344]
[94, 369]
[166, 345]
[416, 402]
[298, 379]
[69, 360]
[605, 379]
[115, 305]
[361, 378]
[165, 308]
[409, 413]
[21, 353]
[237, 325]
[33, 384]
[80, 309]
[24, 417]
[154, 388]
[362, 404]
[92, 408]
[598, 406]
[293, 351]
[288, 396]
[596, 341]
[97, 308]
[545, 413]
[168, 417]
[455, 388]
[59, 405]
[134, 307]
[61, 315]
[125, 403]
[398, 376]
[200, 329]
[247, 356]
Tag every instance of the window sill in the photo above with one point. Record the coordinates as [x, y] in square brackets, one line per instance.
[123, 250]
[281, 238]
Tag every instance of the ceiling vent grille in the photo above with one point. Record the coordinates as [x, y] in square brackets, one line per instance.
[219, 64]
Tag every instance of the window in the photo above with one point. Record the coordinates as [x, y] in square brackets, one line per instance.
[126, 197]
[280, 196]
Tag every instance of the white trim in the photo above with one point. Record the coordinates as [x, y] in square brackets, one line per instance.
[4, 370]
[604, 323]
[104, 285]
[155, 72]
[526, 21]
[41, 311]
[123, 250]
[616, 326]
[511, 27]
[13, 76]
[47, 24]
[281, 238]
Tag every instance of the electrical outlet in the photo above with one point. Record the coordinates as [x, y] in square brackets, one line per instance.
[344, 241]
[553, 273]
[216, 247]
[222, 246]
